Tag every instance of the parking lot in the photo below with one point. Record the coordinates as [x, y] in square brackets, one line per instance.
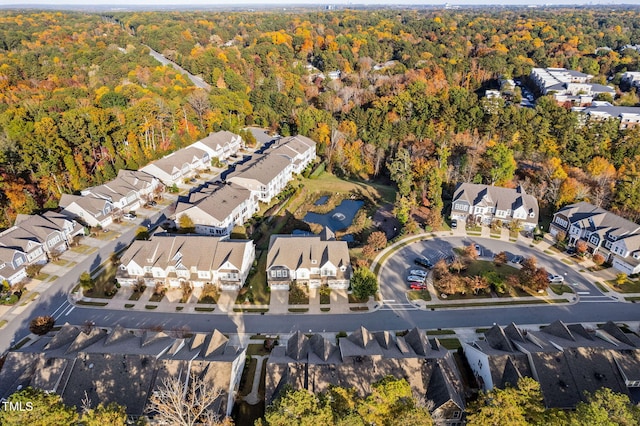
[394, 273]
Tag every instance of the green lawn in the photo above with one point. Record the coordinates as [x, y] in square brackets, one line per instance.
[419, 295]
[257, 281]
[450, 343]
[631, 286]
[560, 289]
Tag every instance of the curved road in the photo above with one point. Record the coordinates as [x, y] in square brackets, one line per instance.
[56, 296]
[393, 285]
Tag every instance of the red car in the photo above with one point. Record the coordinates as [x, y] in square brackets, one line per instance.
[418, 286]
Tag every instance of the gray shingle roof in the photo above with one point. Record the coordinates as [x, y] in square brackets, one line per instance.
[262, 168]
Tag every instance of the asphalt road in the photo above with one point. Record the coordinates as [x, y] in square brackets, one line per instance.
[197, 81]
[54, 302]
[393, 282]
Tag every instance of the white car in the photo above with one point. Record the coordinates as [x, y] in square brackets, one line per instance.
[556, 278]
[129, 216]
[418, 272]
[415, 279]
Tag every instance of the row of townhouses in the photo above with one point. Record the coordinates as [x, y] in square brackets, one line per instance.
[567, 360]
[216, 208]
[129, 366]
[198, 260]
[123, 366]
[614, 237]
[34, 239]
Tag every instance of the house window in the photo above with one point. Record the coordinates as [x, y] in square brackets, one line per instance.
[273, 274]
[456, 414]
[461, 207]
[279, 273]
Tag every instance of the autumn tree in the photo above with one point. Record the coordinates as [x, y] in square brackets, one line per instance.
[598, 259]
[581, 247]
[185, 402]
[520, 404]
[607, 408]
[41, 325]
[364, 283]
[532, 277]
[500, 258]
[47, 409]
[477, 283]
[470, 252]
[377, 240]
[186, 224]
[111, 414]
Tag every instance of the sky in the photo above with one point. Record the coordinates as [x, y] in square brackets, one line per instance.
[238, 3]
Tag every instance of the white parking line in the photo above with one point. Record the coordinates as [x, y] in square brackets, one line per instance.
[59, 307]
[61, 311]
[69, 311]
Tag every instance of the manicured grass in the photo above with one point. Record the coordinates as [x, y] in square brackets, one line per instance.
[631, 286]
[474, 234]
[389, 253]
[251, 310]
[82, 249]
[450, 343]
[103, 280]
[603, 288]
[359, 309]
[481, 330]
[29, 298]
[201, 309]
[22, 342]
[3, 323]
[129, 305]
[439, 332]
[41, 276]
[327, 181]
[53, 278]
[298, 296]
[257, 282]
[474, 228]
[9, 300]
[560, 289]
[62, 262]
[567, 261]
[466, 296]
[419, 295]
[136, 295]
[325, 309]
[502, 303]
[632, 299]
[179, 308]
[548, 252]
[156, 297]
[150, 307]
[325, 299]
[82, 302]
[297, 310]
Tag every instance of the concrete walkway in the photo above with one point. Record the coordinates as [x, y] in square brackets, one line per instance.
[253, 398]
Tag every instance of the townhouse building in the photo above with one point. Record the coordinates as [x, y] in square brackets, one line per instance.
[178, 165]
[614, 237]
[217, 207]
[568, 86]
[265, 175]
[483, 204]
[308, 260]
[220, 145]
[89, 210]
[187, 259]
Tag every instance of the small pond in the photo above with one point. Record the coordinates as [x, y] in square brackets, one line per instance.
[322, 200]
[338, 218]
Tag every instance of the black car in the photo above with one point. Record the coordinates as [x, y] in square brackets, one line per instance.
[423, 261]
[151, 203]
[571, 251]
[454, 224]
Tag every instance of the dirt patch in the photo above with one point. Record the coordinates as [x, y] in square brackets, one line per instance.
[385, 221]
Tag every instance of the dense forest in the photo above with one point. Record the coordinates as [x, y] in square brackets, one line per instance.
[80, 97]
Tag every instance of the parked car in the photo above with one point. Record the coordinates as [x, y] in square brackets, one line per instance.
[418, 286]
[418, 272]
[517, 259]
[478, 249]
[555, 278]
[415, 279]
[571, 251]
[151, 203]
[454, 224]
[423, 261]
[129, 216]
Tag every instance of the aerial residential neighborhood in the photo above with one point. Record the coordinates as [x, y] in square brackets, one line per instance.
[320, 214]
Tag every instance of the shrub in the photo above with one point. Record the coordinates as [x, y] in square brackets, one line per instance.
[41, 325]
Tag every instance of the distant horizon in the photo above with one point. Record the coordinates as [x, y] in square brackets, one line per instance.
[207, 4]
